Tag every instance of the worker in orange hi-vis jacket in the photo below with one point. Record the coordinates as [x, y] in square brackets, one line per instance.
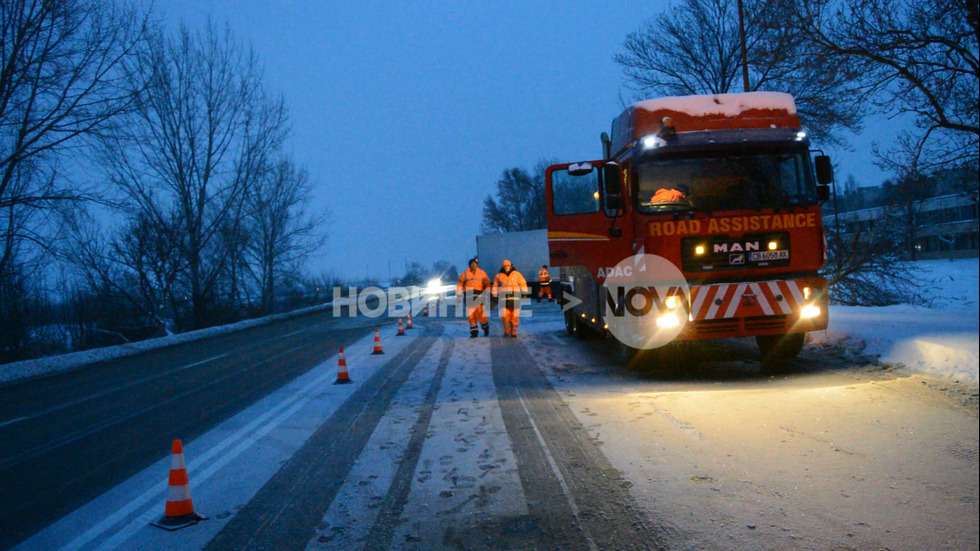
[472, 283]
[670, 195]
[508, 286]
[544, 284]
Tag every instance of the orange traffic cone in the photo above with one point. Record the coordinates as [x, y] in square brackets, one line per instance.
[342, 377]
[409, 324]
[425, 311]
[377, 343]
[179, 512]
[401, 328]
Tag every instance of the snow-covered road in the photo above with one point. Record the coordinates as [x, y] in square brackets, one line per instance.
[447, 442]
[451, 443]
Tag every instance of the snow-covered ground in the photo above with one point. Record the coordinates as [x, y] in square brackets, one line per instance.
[940, 341]
[682, 445]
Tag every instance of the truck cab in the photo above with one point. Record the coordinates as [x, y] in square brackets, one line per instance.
[722, 187]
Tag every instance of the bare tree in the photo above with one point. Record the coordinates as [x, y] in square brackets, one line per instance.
[520, 202]
[445, 270]
[139, 265]
[282, 231]
[693, 48]
[14, 312]
[201, 129]
[62, 77]
[868, 267]
[915, 58]
[415, 274]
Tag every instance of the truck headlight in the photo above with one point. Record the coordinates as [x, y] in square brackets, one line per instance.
[668, 320]
[809, 311]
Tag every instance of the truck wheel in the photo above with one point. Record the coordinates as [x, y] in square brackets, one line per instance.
[778, 351]
[669, 360]
[627, 355]
[579, 329]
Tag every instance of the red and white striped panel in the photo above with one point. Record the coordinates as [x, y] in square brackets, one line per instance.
[723, 300]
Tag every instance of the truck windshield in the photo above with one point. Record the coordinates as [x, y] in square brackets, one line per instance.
[725, 182]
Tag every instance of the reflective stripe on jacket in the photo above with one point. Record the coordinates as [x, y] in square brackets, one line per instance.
[472, 281]
[512, 284]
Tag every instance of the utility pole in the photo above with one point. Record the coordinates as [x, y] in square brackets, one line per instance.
[745, 57]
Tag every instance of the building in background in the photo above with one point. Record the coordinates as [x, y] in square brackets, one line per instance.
[934, 217]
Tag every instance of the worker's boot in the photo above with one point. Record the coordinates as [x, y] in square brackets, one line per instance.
[486, 330]
[473, 332]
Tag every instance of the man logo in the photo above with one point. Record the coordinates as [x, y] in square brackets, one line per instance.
[736, 259]
[736, 247]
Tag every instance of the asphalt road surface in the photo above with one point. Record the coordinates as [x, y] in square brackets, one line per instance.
[66, 439]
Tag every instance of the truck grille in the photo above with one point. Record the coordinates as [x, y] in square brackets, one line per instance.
[716, 327]
[721, 252]
[740, 326]
[767, 323]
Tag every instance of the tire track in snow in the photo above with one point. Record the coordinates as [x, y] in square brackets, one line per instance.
[285, 512]
[394, 503]
[556, 457]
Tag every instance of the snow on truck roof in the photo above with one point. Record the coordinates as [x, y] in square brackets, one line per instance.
[729, 105]
[751, 110]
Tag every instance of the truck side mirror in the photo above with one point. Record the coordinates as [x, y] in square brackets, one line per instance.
[612, 188]
[823, 192]
[579, 169]
[825, 171]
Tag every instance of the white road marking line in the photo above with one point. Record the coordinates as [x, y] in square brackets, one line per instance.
[554, 468]
[110, 391]
[138, 382]
[143, 520]
[158, 490]
[12, 421]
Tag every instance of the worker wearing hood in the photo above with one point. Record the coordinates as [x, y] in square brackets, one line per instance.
[508, 287]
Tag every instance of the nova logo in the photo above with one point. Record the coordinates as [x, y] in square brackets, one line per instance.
[640, 301]
[736, 247]
[645, 302]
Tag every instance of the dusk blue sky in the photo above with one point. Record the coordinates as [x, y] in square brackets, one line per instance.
[406, 114]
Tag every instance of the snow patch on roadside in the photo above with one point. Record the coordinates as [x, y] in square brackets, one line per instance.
[66, 362]
[942, 341]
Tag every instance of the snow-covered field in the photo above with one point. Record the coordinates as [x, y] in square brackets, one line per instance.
[941, 341]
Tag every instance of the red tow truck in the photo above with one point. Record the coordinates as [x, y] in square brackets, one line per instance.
[726, 190]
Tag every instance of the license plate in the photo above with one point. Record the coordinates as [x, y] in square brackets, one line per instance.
[766, 256]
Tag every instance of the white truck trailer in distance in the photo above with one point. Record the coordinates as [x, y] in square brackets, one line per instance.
[526, 250]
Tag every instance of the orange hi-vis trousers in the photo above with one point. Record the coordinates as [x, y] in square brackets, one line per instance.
[511, 317]
[544, 291]
[475, 314]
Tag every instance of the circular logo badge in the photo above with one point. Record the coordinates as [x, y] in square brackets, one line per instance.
[647, 301]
